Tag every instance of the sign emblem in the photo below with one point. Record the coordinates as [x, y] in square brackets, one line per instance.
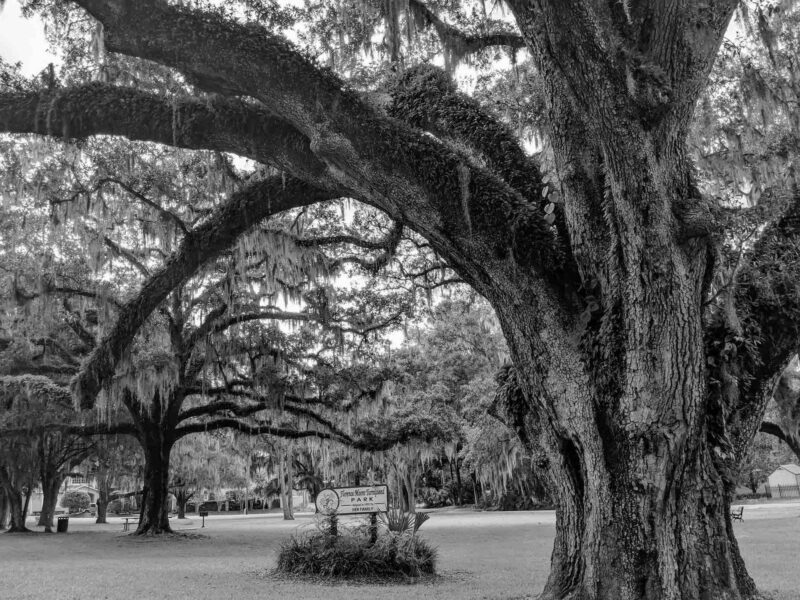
[327, 502]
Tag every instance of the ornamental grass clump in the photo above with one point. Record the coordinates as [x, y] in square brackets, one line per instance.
[352, 555]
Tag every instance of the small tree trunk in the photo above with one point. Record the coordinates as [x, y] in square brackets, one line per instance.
[27, 503]
[285, 476]
[50, 487]
[102, 508]
[181, 499]
[408, 488]
[753, 483]
[3, 509]
[154, 510]
[453, 491]
[458, 483]
[15, 507]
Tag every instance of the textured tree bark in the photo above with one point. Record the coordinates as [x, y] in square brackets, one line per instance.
[154, 511]
[643, 511]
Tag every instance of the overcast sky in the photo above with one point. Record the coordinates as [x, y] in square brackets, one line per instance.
[22, 40]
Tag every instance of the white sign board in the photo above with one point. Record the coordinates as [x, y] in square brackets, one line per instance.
[353, 500]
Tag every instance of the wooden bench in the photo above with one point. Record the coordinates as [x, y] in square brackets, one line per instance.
[130, 521]
[736, 514]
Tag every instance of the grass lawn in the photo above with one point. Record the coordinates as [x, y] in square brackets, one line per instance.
[481, 555]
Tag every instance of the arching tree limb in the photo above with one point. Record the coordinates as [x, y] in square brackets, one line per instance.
[377, 159]
[228, 125]
[242, 211]
[456, 41]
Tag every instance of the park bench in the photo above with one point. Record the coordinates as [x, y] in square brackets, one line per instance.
[129, 521]
[736, 514]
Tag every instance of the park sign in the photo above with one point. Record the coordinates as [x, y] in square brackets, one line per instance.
[353, 500]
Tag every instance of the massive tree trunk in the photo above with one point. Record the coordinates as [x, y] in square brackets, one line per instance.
[154, 509]
[643, 511]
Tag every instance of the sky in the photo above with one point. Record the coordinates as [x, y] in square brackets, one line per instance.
[22, 40]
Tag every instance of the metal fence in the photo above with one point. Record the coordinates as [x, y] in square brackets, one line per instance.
[784, 491]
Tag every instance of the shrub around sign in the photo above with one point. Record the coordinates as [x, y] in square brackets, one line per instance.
[352, 554]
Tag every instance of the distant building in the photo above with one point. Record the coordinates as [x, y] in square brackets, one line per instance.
[784, 482]
[71, 484]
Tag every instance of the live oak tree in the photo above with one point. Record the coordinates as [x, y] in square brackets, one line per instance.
[116, 465]
[447, 368]
[642, 383]
[212, 352]
[40, 349]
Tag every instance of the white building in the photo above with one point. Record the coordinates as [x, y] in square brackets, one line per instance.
[71, 484]
[784, 482]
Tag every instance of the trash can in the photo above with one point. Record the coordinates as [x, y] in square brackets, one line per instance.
[63, 524]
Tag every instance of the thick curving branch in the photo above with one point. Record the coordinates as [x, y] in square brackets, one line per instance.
[72, 429]
[426, 97]
[752, 346]
[245, 209]
[463, 209]
[787, 400]
[252, 429]
[456, 42]
[224, 406]
[389, 242]
[216, 124]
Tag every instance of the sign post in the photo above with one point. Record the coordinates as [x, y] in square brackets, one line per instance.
[362, 500]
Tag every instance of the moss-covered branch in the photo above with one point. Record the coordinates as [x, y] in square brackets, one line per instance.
[426, 97]
[218, 124]
[72, 429]
[252, 429]
[456, 42]
[467, 212]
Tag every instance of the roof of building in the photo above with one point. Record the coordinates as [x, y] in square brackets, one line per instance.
[81, 486]
[792, 468]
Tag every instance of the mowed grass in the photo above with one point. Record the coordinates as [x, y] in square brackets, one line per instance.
[481, 555]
